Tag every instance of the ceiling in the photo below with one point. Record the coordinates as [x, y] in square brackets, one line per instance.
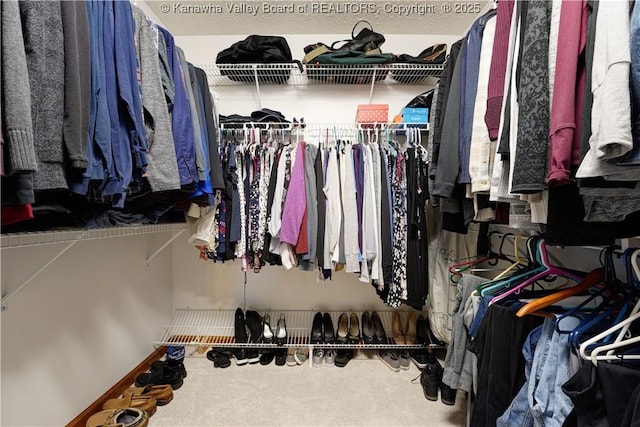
[218, 17]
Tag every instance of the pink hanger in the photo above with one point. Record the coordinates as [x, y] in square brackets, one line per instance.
[543, 258]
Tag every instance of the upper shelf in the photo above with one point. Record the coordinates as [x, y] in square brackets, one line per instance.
[293, 74]
[62, 236]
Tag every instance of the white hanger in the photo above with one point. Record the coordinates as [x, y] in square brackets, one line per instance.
[622, 343]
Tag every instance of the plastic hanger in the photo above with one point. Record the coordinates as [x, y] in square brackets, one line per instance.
[593, 278]
[593, 340]
[548, 269]
[487, 288]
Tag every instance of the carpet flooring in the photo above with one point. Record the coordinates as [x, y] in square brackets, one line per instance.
[364, 393]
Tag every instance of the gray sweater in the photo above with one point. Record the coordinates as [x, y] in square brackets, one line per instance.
[44, 47]
[17, 127]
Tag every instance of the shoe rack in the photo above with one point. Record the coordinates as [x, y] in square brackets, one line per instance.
[215, 328]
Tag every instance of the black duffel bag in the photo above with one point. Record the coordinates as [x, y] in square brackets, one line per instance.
[257, 49]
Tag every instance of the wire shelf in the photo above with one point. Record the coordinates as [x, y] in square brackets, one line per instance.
[61, 236]
[215, 328]
[295, 74]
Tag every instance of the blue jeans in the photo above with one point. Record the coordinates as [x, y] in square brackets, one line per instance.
[541, 401]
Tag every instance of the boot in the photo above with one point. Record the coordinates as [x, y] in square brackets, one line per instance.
[397, 329]
[447, 394]
[174, 360]
[431, 378]
[410, 336]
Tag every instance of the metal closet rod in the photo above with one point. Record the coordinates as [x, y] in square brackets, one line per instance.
[293, 126]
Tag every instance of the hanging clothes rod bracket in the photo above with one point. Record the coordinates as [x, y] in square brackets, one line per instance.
[161, 248]
[6, 298]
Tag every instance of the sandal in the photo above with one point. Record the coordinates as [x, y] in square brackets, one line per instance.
[162, 393]
[123, 417]
[146, 403]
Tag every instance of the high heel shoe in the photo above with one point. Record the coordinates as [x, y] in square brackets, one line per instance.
[367, 329]
[328, 332]
[281, 331]
[397, 329]
[410, 336]
[316, 329]
[378, 329]
[354, 330]
[343, 329]
[267, 333]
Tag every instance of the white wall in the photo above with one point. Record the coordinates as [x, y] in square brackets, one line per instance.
[204, 284]
[75, 330]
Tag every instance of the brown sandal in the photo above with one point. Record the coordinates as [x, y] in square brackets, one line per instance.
[122, 417]
[146, 403]
[162, 393]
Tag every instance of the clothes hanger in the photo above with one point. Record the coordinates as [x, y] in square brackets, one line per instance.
[489, 287]
[548, 269]
[593, 340]
[593, 278]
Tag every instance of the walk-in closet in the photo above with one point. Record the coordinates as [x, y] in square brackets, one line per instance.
[320, 213]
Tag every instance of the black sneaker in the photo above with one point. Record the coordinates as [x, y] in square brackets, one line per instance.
[253, 355]
[420, 358]
[240, 355]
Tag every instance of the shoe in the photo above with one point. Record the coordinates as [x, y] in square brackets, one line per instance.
[367, 329]
[162, 393]
[431, 377]
[240, 355]
[254, 324]
[301, 355]
[330, 358]
[390, 359]
[342, 332]
[267, 358]
[327, 329]
[146, 403]
[420, 358]
[253, 355]
[291, 360]
[316, 329]
[405, 363]
[125, 417]
[378, 329]
[410, 336]
[447, 394]
[165, 376]
[354, 329]
[422, 336]
[281, 356]
[178, 364]
[240, 327]
[220, 360]
[281, 331]
[267, 333]
[397, 329]
[343, 357]
[317, 357]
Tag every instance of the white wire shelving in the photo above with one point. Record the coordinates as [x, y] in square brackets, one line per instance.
[215, 328]
[295, 74]
[71, 235]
